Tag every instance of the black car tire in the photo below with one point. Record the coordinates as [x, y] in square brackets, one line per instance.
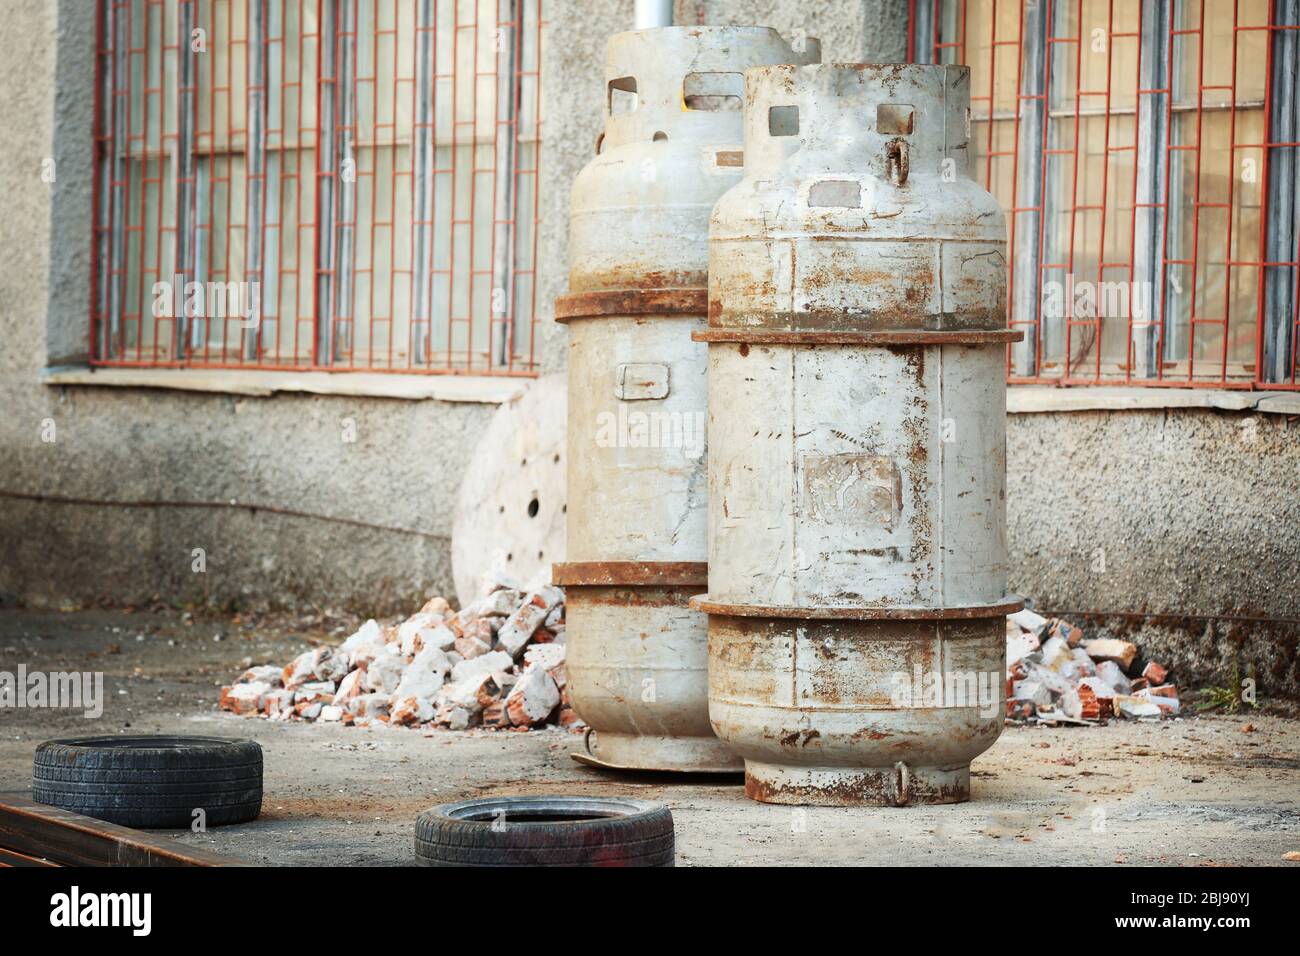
[545, 831]
[151, 781]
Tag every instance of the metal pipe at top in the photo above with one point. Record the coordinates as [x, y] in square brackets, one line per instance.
[654, 13]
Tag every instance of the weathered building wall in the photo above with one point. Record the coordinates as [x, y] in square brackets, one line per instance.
[149, 445]
[1186, 514]
[1191, 519]
[285, 451]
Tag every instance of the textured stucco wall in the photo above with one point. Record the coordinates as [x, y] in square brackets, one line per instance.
[1192, 518]
[147, 445]
[1183, 513]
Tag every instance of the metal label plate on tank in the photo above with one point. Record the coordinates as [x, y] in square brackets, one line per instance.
[637, 381]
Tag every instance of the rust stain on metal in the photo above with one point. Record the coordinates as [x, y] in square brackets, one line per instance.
[868, 733]
[625, 302]
[64, 838]
[645, 276]
[869, 790]
[638, 573]
[1009, 605]
[799, 738]
[881, 337]
[629, 596]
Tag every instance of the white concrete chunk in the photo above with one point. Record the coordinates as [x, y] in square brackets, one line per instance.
[1032, 691]
[545, 656]
[484, 664]
[411, 710]
[332, 665]
[263, 673]
[519, 628]
[369, 705]
[422, 678]
[502, 602]
[533, 697]
[409, 630]
[384, 673]
[244, 698]
[1113, 677]
[1027, 620]
[440, 637]
[322, 690]
[370, 633]
[349, 687]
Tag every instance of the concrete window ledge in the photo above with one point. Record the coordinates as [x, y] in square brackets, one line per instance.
[1030, 399]
[492, 389]
[412, 387]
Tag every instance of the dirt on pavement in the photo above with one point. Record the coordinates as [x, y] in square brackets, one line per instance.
[1201, 790]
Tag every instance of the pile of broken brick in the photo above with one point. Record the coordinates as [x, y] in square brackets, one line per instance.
[498, 662]
[1055, 676]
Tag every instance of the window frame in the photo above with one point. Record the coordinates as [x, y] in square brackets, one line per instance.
[508, 139]
[933, 28]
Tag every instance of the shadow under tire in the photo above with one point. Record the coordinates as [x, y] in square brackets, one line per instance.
[545, 831]
[151, 781]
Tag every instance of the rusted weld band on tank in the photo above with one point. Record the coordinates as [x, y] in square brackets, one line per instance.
[879, 337]
[631, 573]
[883, 319]
[594, 305]
[1008, 605]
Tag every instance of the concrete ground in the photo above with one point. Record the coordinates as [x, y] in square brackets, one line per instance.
[1197, 791]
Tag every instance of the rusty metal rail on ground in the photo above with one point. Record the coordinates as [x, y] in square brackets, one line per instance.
[33, 834]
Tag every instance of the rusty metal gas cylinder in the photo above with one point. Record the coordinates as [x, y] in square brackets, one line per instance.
[857, 339]
[637, 486]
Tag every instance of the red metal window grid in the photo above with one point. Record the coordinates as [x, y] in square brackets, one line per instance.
[208, 116]
[1215, 157]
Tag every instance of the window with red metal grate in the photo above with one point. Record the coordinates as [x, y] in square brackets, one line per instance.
[1145, 152]
[334, 184]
